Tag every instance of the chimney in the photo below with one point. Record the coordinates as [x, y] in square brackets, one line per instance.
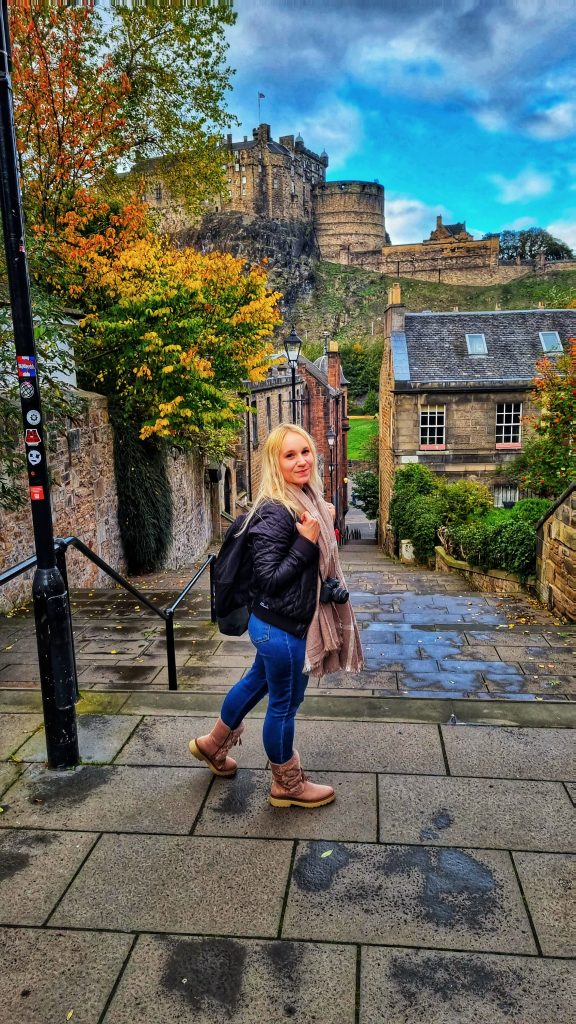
[394, 295]
[334, 369]
[229, 139]
[439, 221]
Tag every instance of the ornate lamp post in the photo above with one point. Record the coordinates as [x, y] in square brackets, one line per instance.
[292, 346]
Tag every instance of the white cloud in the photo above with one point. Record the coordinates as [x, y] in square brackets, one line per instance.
[520, 224]
[565, 230]
[526, 185]
[409, 219]
[558, 122]
[335, 126]
[491, 120]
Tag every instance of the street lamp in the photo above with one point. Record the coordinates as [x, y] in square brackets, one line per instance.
[292, 346]
[331, 438]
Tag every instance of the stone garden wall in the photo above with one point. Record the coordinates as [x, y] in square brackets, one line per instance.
[556, 560]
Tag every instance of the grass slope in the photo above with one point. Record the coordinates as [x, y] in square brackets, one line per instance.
[362, 428]
[348, 301]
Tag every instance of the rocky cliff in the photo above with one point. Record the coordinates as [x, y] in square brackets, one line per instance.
[289, 247]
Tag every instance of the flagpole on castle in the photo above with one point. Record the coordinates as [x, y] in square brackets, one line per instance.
[261, 96]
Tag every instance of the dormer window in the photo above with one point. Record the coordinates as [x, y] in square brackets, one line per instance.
[551, 341]
[476, 345]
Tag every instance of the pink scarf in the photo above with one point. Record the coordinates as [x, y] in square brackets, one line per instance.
[333, 641]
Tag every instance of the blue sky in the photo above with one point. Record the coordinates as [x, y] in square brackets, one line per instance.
[461, 108]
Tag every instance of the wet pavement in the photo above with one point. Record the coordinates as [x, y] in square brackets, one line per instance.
[438, 887]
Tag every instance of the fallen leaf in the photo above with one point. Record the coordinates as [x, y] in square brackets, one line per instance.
[327, 853]
[113, 651]
[70, 1014]
[9, 648]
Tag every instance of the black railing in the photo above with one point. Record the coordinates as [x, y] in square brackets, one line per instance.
[167, 614]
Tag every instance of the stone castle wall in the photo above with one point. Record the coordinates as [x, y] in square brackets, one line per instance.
[556, 559]
[84, 505]
[348, 213]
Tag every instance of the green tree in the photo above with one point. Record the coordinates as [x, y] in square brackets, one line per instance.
[366, 493]
[548, 462]
[531, 243]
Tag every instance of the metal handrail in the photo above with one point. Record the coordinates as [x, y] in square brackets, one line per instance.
[62, 544]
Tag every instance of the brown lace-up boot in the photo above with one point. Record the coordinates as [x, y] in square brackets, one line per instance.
[213, 748]
[291, 788]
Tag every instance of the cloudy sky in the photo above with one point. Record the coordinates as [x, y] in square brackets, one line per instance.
[457, 107]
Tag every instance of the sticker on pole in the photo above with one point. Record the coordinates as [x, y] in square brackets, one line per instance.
[26, 366]
[33, 417]
[27, 390]
[32, 436]
[34, 457]
[37, 493]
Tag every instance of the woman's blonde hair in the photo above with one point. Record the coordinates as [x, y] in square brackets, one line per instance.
[273, 486]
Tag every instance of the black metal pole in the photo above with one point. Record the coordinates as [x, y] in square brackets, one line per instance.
[293, 369]
[170, 651]
[51, 604]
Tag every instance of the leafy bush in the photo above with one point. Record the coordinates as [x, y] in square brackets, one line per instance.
[366, 493]
[474, 542]
[530, 510]
[371, 403]
[409, 482]
[513, 547]
[425, 512]
[464, 500]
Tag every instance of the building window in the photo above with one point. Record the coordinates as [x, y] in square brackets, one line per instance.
[476, 344]
[551, 341]
[269, 414]
[505, 497]
[508, 424]
[243, 179]
[279, 408]
[255, 440]
[158, 192]
[432, 427]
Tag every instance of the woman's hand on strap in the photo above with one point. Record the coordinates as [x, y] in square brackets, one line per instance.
[308, 527]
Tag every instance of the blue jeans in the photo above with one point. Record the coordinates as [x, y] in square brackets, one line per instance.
[277, 671]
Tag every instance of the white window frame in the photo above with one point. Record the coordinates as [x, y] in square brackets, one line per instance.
[511, 417]
[483, 351]
[426, 429]
[558, 348]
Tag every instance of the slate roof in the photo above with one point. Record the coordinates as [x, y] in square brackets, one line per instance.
[433, 348]
[315, 372]
[455, 229]
[322, 364]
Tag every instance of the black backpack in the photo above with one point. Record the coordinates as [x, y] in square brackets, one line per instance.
[232, 581]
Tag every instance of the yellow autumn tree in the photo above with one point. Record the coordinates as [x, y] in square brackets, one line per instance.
[171, 333]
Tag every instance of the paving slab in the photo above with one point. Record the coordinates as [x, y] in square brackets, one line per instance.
[100, 738]
[510, 753]
[549, 884]
[15, 729]
[492, 813]
[35, 869]
[407, 895]
[108, 799]
[359, 680]
[240, 807]
[427, 987]
[369, 747]
[92, 703]
[175, 980]
[22, 672]
[47, 975]
[180, 884]
[121, 677]
[8, 774]
[164, 741]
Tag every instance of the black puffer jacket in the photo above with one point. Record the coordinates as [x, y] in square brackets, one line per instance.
[285, 564]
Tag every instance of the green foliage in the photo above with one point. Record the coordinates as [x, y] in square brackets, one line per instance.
[530, 510]
[144, 497]
[513, 547]
[409, 482]
[530, 243]
[472, 542]
[371, 403]
[366, 493]
[504, 539]
[53, 333]
[425, 514]
[464, 500]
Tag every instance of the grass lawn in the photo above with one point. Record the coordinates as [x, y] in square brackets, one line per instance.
[362, 428]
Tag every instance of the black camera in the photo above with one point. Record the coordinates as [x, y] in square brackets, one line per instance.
[332, 591]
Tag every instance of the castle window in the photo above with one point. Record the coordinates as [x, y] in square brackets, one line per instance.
[269, 414]
[236, 167]
[508, 424]
[244, 179]
[255, 439]
[476, 344]
[275, 183]
[551, 341]
[158, 192]
[432, 427]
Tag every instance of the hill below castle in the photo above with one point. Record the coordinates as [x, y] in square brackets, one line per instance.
[349, 302]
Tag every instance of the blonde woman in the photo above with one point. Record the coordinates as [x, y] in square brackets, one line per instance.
[293, 548]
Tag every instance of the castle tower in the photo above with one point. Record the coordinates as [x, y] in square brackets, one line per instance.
[350, 215]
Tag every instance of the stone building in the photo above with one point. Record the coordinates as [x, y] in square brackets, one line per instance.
[455, 390]
[321, 408]
[348, 218]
